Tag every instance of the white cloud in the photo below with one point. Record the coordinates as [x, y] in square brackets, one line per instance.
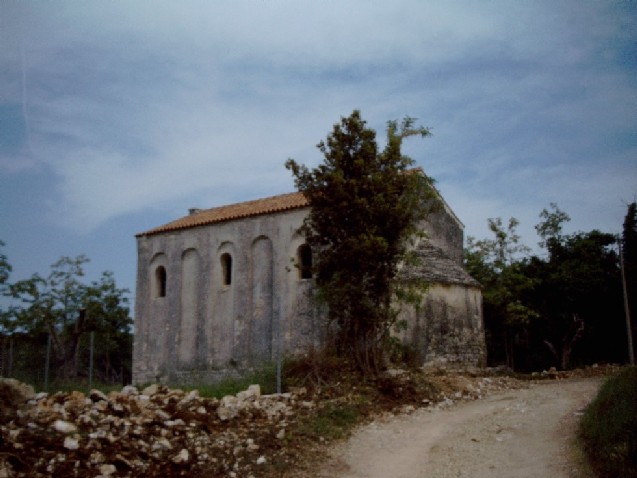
[137, 105]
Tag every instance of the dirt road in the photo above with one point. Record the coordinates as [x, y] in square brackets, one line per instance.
[524, 433]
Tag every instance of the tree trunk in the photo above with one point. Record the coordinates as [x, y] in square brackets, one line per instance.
[572, 336]
[508, 350]
[552, 349]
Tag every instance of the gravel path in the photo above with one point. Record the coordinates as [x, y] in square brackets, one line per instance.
[524, 433]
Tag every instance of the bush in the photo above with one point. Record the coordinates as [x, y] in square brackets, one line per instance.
[609, 427]
[316, 368]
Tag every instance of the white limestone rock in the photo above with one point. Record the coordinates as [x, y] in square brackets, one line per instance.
[63, 426]
[182, 457]
[71, 443]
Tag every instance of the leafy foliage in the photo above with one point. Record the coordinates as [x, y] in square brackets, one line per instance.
[365, 206]
[550, 229]
[560, 309]
[5, 271]
[495, 264]
[579, 298]
[66, 309]
[5, 267]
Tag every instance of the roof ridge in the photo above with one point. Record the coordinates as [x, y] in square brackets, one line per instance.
[255, 207]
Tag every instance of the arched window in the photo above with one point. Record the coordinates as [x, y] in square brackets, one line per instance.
[160, 281]
[226, 269]
[304, 260]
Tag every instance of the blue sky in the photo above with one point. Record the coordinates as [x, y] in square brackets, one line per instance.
[116, 117]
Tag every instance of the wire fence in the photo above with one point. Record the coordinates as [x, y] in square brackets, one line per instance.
[37, 361]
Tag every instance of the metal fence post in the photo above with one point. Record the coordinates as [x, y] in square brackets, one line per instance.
[90, 363]
[47, 363]
[10, 365]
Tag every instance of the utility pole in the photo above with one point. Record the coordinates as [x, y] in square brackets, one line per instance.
[629, 331]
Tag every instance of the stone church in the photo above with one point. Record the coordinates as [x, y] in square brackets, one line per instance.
[224, 289]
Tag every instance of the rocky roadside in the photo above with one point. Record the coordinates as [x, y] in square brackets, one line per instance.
[151, 432]
[165, 432]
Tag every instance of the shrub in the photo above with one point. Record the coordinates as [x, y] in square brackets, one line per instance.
[609, 427]
[316, 368]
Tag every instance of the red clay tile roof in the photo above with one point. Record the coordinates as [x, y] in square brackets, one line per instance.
[283, 202]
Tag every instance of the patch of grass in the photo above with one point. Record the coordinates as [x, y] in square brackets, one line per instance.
[330, 422]
[265, 377]
[609, 427]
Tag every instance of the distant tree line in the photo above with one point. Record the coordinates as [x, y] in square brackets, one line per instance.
[51, 319]
[563, 307]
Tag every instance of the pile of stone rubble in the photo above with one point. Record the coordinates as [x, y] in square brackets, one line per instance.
[153, 432]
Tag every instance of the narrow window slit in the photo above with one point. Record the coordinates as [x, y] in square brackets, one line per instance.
[304, 259]
[160, 281]
[226, 269]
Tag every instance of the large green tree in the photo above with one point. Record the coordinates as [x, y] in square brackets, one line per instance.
[108, 317]
[64, 308]
[560, 308]
[498, 264]
[578, 297]
[5, 271]
[5, 268]
[365, 206]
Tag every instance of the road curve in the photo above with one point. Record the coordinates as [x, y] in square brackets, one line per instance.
[521, 433]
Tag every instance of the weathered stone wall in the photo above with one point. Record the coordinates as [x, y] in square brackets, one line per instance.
[203, 325]
[448, 327]
[445, 231]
